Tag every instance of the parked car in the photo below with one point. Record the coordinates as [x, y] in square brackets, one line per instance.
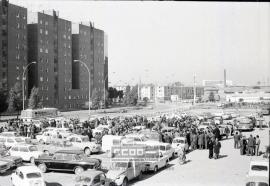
[27, 176]
[84, 144]
[179, 143]
[4, 166]
[67, 160]
[257, 181]
[15, 134]
[258, 167]
[154, 164]
[93, 178]
[101, 129]
[11, 141]
[13, 161]
[56, 146]
[122, 172]
[165, 148]
[52, 133]
[244, 124]
[26, 151]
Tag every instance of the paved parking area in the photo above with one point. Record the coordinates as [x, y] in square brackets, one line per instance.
[229, 170]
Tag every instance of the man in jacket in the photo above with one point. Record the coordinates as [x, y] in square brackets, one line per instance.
[250, 145]
[217, 147]
[235, 137]
[210, 148]
[257, 147]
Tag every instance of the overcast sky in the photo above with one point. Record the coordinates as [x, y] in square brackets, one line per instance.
[161, 42]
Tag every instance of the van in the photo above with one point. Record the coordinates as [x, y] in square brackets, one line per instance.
[108, 141]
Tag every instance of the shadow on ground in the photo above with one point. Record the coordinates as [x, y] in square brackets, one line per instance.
[53, 184]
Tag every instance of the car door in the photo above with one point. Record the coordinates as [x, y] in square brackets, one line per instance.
[24, 153]
[130, 170]
[57, 161]
[68, 162]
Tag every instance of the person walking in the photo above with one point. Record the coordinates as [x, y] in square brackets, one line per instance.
[201, 141]
[206, 140]
[242, 146]
[210, 148]
[257, 145]
[217, 147]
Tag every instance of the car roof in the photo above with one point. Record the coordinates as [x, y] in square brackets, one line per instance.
[91, 173]
[257, 179]
[69, 151]
[23, 145]
[180, 138]
[28, 169]
[259, 160]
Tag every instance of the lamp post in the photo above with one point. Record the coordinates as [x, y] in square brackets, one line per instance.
[23, 79]
[88, 83]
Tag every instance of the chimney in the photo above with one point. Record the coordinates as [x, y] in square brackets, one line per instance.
[225, 78]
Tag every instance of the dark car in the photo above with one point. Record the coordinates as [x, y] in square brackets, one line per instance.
[14, 161]
[67, 160]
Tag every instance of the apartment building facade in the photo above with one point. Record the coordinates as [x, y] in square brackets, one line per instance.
[13, 44]
[49, 45]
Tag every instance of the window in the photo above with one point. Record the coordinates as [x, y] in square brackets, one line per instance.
[40, 22]
[15, 148]
[46, 22]
[46, 32]
[40, 31]
[33, 175]
[18, 15]
[58, 157]
[41, 79]
[96, 179]
[24, 149]
[259, 168]
[68, 157]
[40, 50]
[33, 148]
[46, 51]
[18, 25]
[10, 140]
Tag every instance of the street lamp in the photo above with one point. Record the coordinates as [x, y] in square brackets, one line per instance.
[88, 84]
[23, 79]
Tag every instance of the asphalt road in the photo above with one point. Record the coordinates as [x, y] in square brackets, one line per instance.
[229, 170]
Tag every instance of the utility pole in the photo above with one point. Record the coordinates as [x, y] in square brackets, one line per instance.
[194, 90]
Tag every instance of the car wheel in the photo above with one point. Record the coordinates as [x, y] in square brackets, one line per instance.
[42, 167]
[167, 162]
[32, 160]
[125, 182]
[78, 170]
[87, 151]
[155, 169]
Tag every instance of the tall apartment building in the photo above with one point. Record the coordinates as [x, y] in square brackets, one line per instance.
[106, 59]
[49, 45]
[87, 47]
[13, 44]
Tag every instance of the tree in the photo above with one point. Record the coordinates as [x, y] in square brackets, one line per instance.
[96, 99]
[3, 101]
[131, 97]
[211, 97]
[15, 98]
[145, 100]
[34, 100]
[120, 94]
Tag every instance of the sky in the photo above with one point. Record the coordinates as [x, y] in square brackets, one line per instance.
[162, 42]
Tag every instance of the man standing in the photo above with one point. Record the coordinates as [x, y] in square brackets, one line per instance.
[227, 132]
[235, 137]
[210, 147]
[250, 145]
[257, 147]
[200, 141]
[217, 147]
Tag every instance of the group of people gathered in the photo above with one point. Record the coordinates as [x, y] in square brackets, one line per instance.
[248, 146]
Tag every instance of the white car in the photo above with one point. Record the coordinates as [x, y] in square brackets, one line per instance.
[27, 176]
[84, 144]
[156, 164]
[11, 141]
[179, 143]
[165, 148]
[26, 151]
[259, 167]
[100, 129]
[50, 134]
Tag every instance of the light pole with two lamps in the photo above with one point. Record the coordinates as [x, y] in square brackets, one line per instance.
[89, 99]
[23, 79]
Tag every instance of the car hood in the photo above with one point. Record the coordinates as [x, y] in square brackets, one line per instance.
[114, 173]
[12, 158]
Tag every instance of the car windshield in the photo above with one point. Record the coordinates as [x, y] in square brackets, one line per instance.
[83, 178]
[18, 140]
[178, 141]
[33, 148]
[33, 175]
[161, 147]
[259, 168]
[85, 139]
[121, 164]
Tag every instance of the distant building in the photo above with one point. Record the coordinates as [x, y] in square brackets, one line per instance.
[211, 90]
[216, 83]
[13, 44]
[147, 91]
